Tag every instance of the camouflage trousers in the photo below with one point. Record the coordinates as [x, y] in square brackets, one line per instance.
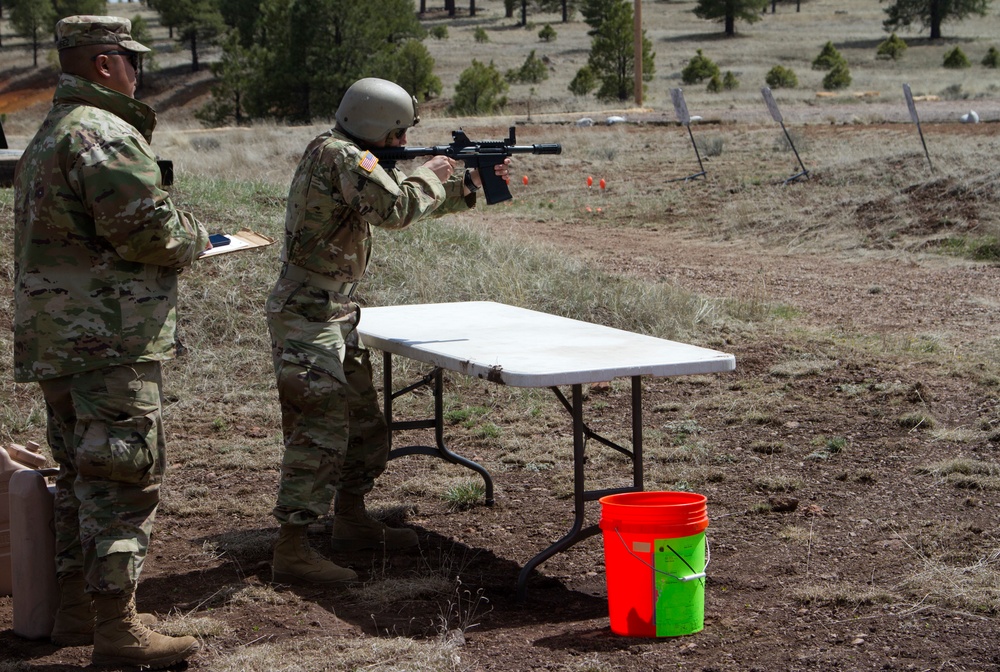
[335, 434]
[106, 435]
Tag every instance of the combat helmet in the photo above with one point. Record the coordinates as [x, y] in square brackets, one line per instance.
[373, 107]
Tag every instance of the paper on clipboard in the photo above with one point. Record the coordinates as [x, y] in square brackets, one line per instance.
[244, 239]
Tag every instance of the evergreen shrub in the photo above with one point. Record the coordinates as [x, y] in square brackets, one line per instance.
[839, 77]
[956, 59]
[992, 58]
[698, 69]
[893, 48]
[780, 77]
[828, 58]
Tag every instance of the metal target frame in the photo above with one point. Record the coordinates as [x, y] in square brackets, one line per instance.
[772, 107]
[680, 108]
[908, 95]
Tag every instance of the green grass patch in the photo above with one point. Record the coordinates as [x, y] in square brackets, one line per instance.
[464, 495]
[985, 248]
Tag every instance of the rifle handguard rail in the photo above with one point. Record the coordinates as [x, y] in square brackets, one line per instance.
[483, 154]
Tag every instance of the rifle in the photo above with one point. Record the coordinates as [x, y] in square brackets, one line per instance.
[483, 155]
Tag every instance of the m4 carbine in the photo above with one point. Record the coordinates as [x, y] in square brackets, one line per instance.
[483, 155]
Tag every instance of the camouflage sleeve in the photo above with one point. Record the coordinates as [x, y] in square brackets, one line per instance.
[121, 182]
[455, 201]
[389, 199]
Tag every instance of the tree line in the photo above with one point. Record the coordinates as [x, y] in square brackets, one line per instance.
[293, 59]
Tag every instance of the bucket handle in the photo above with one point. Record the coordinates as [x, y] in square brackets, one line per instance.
[694, 576]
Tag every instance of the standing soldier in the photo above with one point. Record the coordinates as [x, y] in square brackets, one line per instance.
[98, 245]
[336, 439]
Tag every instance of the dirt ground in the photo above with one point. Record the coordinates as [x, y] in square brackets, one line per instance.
[866, 520]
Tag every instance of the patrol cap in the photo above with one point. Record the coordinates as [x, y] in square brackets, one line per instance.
[83, 30]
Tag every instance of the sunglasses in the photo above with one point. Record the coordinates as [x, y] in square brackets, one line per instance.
[133, 58]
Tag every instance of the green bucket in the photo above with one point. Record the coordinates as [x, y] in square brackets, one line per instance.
[679, 585]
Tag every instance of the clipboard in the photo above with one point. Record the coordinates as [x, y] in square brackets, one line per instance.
[244, 239]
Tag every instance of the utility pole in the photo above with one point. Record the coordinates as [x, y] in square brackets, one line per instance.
[638, 53]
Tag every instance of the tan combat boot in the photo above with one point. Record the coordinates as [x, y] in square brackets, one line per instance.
[121, 639]
[74, 621]
[296, 562]
[355, 530]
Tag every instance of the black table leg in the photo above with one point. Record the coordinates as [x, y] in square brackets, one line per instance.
[581, 495]
[439, 450]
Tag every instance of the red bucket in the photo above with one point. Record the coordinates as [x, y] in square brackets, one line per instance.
[654, 559]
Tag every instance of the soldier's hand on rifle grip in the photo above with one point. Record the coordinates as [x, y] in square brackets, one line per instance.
[502, 171]
[442, 166]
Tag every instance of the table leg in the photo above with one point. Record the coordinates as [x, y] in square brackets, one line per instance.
[439, 450]
[580, 493]
[637, 472]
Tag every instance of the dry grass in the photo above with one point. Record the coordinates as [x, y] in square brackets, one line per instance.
[222, 409]
[396, 654]
[853, 26]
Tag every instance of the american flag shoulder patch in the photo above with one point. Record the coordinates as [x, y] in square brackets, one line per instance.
[368, 162]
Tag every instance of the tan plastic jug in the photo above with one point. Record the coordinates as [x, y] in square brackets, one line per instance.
[12, 459]
[33, 552]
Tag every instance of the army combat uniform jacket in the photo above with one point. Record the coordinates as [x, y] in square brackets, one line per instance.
[335, 433]
[338, 193]
[97, 242]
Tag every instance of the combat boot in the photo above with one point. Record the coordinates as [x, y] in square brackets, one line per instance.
[74, 621]
[355, 530]
[296, 562]
[121, 639]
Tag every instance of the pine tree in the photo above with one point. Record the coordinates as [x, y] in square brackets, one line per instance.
[699, 68]
[196, 22]
[992, 58]
[612, 53]
[234, 73]
[931, 13]
[839, 77]
[729, 12]
[415, 71]
[479, 90]
[306, 53]
[33, 20]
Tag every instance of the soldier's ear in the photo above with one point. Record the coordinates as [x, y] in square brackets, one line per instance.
[101, 68]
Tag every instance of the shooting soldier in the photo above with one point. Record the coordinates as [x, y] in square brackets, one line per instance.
[335, 435]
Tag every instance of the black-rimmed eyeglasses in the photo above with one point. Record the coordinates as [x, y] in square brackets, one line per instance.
[133, 57]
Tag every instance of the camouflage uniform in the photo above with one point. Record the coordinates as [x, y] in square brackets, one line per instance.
[98, 246]
[334, 431]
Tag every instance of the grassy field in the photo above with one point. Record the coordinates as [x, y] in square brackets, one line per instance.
[860, 304]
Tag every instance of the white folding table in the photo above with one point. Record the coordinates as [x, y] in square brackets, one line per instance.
[526, 348]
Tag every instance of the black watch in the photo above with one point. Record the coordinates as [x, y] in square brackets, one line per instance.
[469, 184]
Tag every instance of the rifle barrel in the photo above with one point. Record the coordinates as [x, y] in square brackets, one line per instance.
[547, 148]
[407, 153]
